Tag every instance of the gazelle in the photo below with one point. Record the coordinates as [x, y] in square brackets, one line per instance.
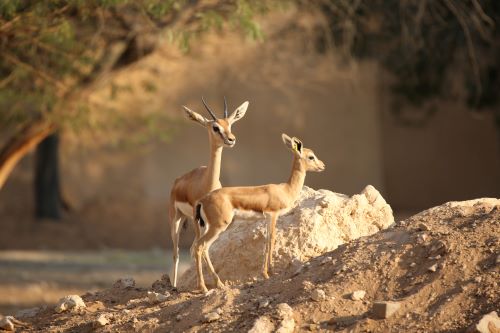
[218, 208]
[192, 186]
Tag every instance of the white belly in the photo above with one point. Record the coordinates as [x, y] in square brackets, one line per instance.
[248, 215]
[185, 208]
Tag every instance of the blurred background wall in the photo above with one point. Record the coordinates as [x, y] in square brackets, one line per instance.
[340, 109]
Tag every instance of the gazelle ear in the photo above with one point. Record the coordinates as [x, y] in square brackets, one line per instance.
[287, 141]
[297, 145]
[238, 113]
[195, 116]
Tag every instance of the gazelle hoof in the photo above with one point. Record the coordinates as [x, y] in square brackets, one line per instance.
[220, 285]
[266, 276]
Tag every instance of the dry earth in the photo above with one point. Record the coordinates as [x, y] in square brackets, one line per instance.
[441, 266]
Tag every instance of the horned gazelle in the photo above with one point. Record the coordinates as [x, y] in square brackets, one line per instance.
[192, 186]
[218, 208]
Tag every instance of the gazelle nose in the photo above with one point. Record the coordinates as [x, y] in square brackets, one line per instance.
[231, 140]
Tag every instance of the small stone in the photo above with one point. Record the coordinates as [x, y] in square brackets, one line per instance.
[478, 279]
[264, 303]
[155, 297]
[101, 321]
[71, 302]
[489, 323]
[178, 317]
[358, 295]
[497, 261]
[284, 310]
[325, 260]
[413, 264]
[422, 238]
[318, 295]
[385, 309]
[211, 317]
[433, 268]
[262, 325]
[423, 227]
[219, 311]
[126, 282]
[6, 323]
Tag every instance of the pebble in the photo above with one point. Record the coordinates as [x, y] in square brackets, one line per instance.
[423, 227]
[358, 295]
[433, 268]
[318, 295]
[126, 282]
[489, 323]
[178, 317]
[6, 323]
[155, 297]
[413, 264]
[384, 309]
[262, 325]
[101, 321]
[211, 317]
[264, 303]
[71, 302]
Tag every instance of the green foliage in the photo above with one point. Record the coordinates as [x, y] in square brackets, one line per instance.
[51, 52]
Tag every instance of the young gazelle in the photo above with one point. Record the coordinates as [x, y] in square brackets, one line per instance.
[218, 208]
[192, 186]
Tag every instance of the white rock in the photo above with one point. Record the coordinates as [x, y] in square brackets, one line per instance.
[6, 323]
[358, 295]
[211, 316]
[126, 282]
[284, 311]
[71, 302]
[489, 323]
[264, 303]
[102, 320]
[155, 297]
[262, 325]
[433, 268]
[309, 230]
[318, 295]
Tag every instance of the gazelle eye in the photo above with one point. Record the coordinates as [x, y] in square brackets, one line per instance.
[311, 158]
[216, 129]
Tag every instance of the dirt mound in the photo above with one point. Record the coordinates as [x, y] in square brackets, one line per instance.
[439, 269]
[320, 222]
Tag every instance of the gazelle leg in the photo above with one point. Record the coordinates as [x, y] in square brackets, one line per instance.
[198, 250]
[217, 280]
[175, 231]
[266, 251]
[203, 247]
[272, 238]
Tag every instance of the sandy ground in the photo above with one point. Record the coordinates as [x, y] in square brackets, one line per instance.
[34, 278]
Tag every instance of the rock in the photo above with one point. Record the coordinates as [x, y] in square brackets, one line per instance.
[318, 295]
[264, 303]
[433, 268]
[423, 227]
[155, 297]
[489, 323]
[358, 295]
[101, 321]
[7, 324]
[162, 284]
[383, 310]
[308, 231]
[262, 325]
[211, 316]
[126, 282]
[71, 302]
[413, 264]
[27, 313]
[178, 317]
[287, 324]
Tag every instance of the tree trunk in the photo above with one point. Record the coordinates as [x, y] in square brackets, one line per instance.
[20, 144]
[46, 185]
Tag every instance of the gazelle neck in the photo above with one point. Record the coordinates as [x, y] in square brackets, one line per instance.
[297, 177]
[213, 170]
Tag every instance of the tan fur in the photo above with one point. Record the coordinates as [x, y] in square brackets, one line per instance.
[219, 206]
[192, 186]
